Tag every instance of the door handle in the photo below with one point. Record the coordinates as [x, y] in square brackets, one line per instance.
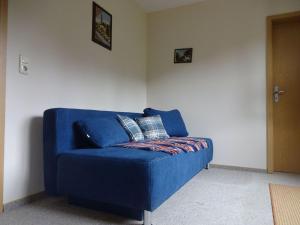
[276, 93]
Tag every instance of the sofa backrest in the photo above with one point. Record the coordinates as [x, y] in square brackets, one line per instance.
[60, 136]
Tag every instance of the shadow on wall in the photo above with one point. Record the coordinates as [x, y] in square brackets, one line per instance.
[36, 176]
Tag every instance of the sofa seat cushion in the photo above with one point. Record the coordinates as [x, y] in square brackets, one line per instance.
[132, 178]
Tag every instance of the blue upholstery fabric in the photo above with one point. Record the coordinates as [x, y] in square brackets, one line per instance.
[102, 132]
[130, 178]
[172, 121]
[60, 135]
[152, 127]
[132, 128]
[126, 180]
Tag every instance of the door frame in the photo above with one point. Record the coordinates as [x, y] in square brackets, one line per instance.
[3, 45]
[271, 20]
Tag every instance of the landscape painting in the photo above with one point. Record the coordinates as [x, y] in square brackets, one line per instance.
[102, 26]
[183, 55]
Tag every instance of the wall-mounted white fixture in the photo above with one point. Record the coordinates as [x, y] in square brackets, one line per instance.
[23, 65]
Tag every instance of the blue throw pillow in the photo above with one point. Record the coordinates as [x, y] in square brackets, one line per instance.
[103, 132]
[152, 127]
[132, 128]
[172, 121]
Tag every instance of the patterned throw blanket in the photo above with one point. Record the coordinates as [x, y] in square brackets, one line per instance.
[172, 146]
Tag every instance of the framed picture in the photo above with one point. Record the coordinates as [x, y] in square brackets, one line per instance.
[183, 55]
[102, 26]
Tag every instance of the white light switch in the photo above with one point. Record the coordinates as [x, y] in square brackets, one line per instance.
[23, 65]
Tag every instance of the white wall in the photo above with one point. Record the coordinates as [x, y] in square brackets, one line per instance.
[222, 94]
[67, 70]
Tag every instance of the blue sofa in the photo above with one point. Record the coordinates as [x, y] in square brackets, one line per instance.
[129, 182]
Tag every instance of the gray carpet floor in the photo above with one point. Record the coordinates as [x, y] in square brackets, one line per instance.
[214, 197]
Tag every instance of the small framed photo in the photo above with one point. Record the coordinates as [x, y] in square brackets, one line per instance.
[102, 26]
[183, 55]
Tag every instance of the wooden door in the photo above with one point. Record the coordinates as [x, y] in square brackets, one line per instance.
[286, 94]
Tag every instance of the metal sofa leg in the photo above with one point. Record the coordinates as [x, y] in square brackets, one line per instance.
[147, 218]
[207, 167]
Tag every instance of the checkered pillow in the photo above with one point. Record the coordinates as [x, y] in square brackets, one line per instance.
[131, 128]
[152, 127]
